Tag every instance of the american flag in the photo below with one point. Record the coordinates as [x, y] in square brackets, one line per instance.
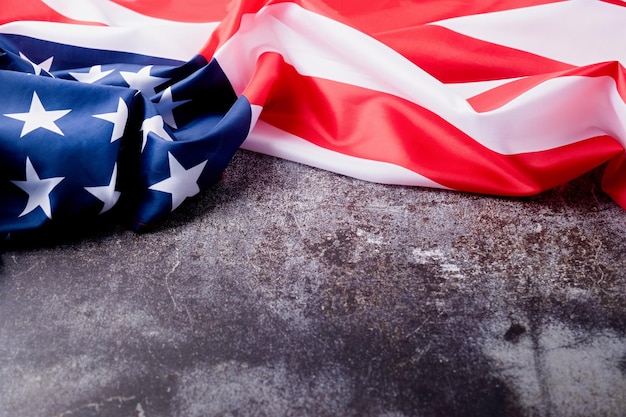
[136, 105]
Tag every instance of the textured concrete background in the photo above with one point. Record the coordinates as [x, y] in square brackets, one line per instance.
[289, 291]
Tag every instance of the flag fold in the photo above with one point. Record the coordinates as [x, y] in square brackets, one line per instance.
[136, 106]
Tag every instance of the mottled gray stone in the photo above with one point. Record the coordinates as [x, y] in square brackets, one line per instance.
[289, 291]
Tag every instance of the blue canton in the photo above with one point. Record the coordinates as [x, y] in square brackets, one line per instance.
[86, 132]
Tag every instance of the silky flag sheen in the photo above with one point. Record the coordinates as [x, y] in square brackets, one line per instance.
[135, 106]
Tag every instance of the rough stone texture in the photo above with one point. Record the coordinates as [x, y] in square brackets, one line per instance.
[289, 291]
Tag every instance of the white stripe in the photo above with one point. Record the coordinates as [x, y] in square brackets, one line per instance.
[324, 48]
[256, 112]
[179, 42]
[555, 113]
[127, 31]
[269, 140]
[106, 12]
[471, 89]
[578, 32]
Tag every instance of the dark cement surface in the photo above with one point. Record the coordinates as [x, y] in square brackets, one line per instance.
[289, 291]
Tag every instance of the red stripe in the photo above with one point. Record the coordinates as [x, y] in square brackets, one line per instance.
[615, 2]
[179, 10]
[501, 95]
[454, 58]
[34, 10]
[376, 17]
[377, 126]
[371, 18]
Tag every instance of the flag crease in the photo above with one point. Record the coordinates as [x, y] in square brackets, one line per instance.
[133, 107]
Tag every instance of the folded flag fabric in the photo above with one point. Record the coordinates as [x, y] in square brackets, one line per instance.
[136, 105]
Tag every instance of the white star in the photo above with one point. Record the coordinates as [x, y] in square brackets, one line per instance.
[182, 182]
[106, 193]
[95, 73]
[45, 65]
[156, 126]
[166, 105]
[142, 80]
[38, 117]
[38, 190]
[118, 118]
